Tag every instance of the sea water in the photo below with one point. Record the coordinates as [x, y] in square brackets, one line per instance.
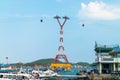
[73, 71]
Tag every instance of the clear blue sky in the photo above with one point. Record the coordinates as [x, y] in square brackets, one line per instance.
[24, 38]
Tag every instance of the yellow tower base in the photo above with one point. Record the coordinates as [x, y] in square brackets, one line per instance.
[67, 66]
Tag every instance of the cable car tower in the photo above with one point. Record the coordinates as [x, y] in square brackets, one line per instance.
[61, 52]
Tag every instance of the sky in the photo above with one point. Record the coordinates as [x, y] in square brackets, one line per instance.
[24, 38]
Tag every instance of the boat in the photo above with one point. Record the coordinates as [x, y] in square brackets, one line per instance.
[9, 73]
[36, 74]
[43, 74]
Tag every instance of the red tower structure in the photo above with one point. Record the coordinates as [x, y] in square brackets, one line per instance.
[61, 50]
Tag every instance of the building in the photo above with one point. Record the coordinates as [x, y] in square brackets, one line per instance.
[107, 58]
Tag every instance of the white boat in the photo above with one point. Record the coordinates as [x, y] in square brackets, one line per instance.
[23, 75]
[50, 73]
[20, 75]
[10, 76]
[47, 73]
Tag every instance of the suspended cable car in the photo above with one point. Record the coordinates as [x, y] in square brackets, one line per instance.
[41, 20]
[83, 25]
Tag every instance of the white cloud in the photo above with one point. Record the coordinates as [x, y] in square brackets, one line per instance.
[99, 10]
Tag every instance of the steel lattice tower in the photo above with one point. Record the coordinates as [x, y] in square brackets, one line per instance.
[61, 50]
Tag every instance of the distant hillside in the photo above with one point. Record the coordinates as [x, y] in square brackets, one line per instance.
[40, 62]
[48, 61]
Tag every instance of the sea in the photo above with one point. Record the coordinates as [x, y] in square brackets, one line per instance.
[74, 71]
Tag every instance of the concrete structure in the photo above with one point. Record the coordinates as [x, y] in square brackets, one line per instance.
[107, 58]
